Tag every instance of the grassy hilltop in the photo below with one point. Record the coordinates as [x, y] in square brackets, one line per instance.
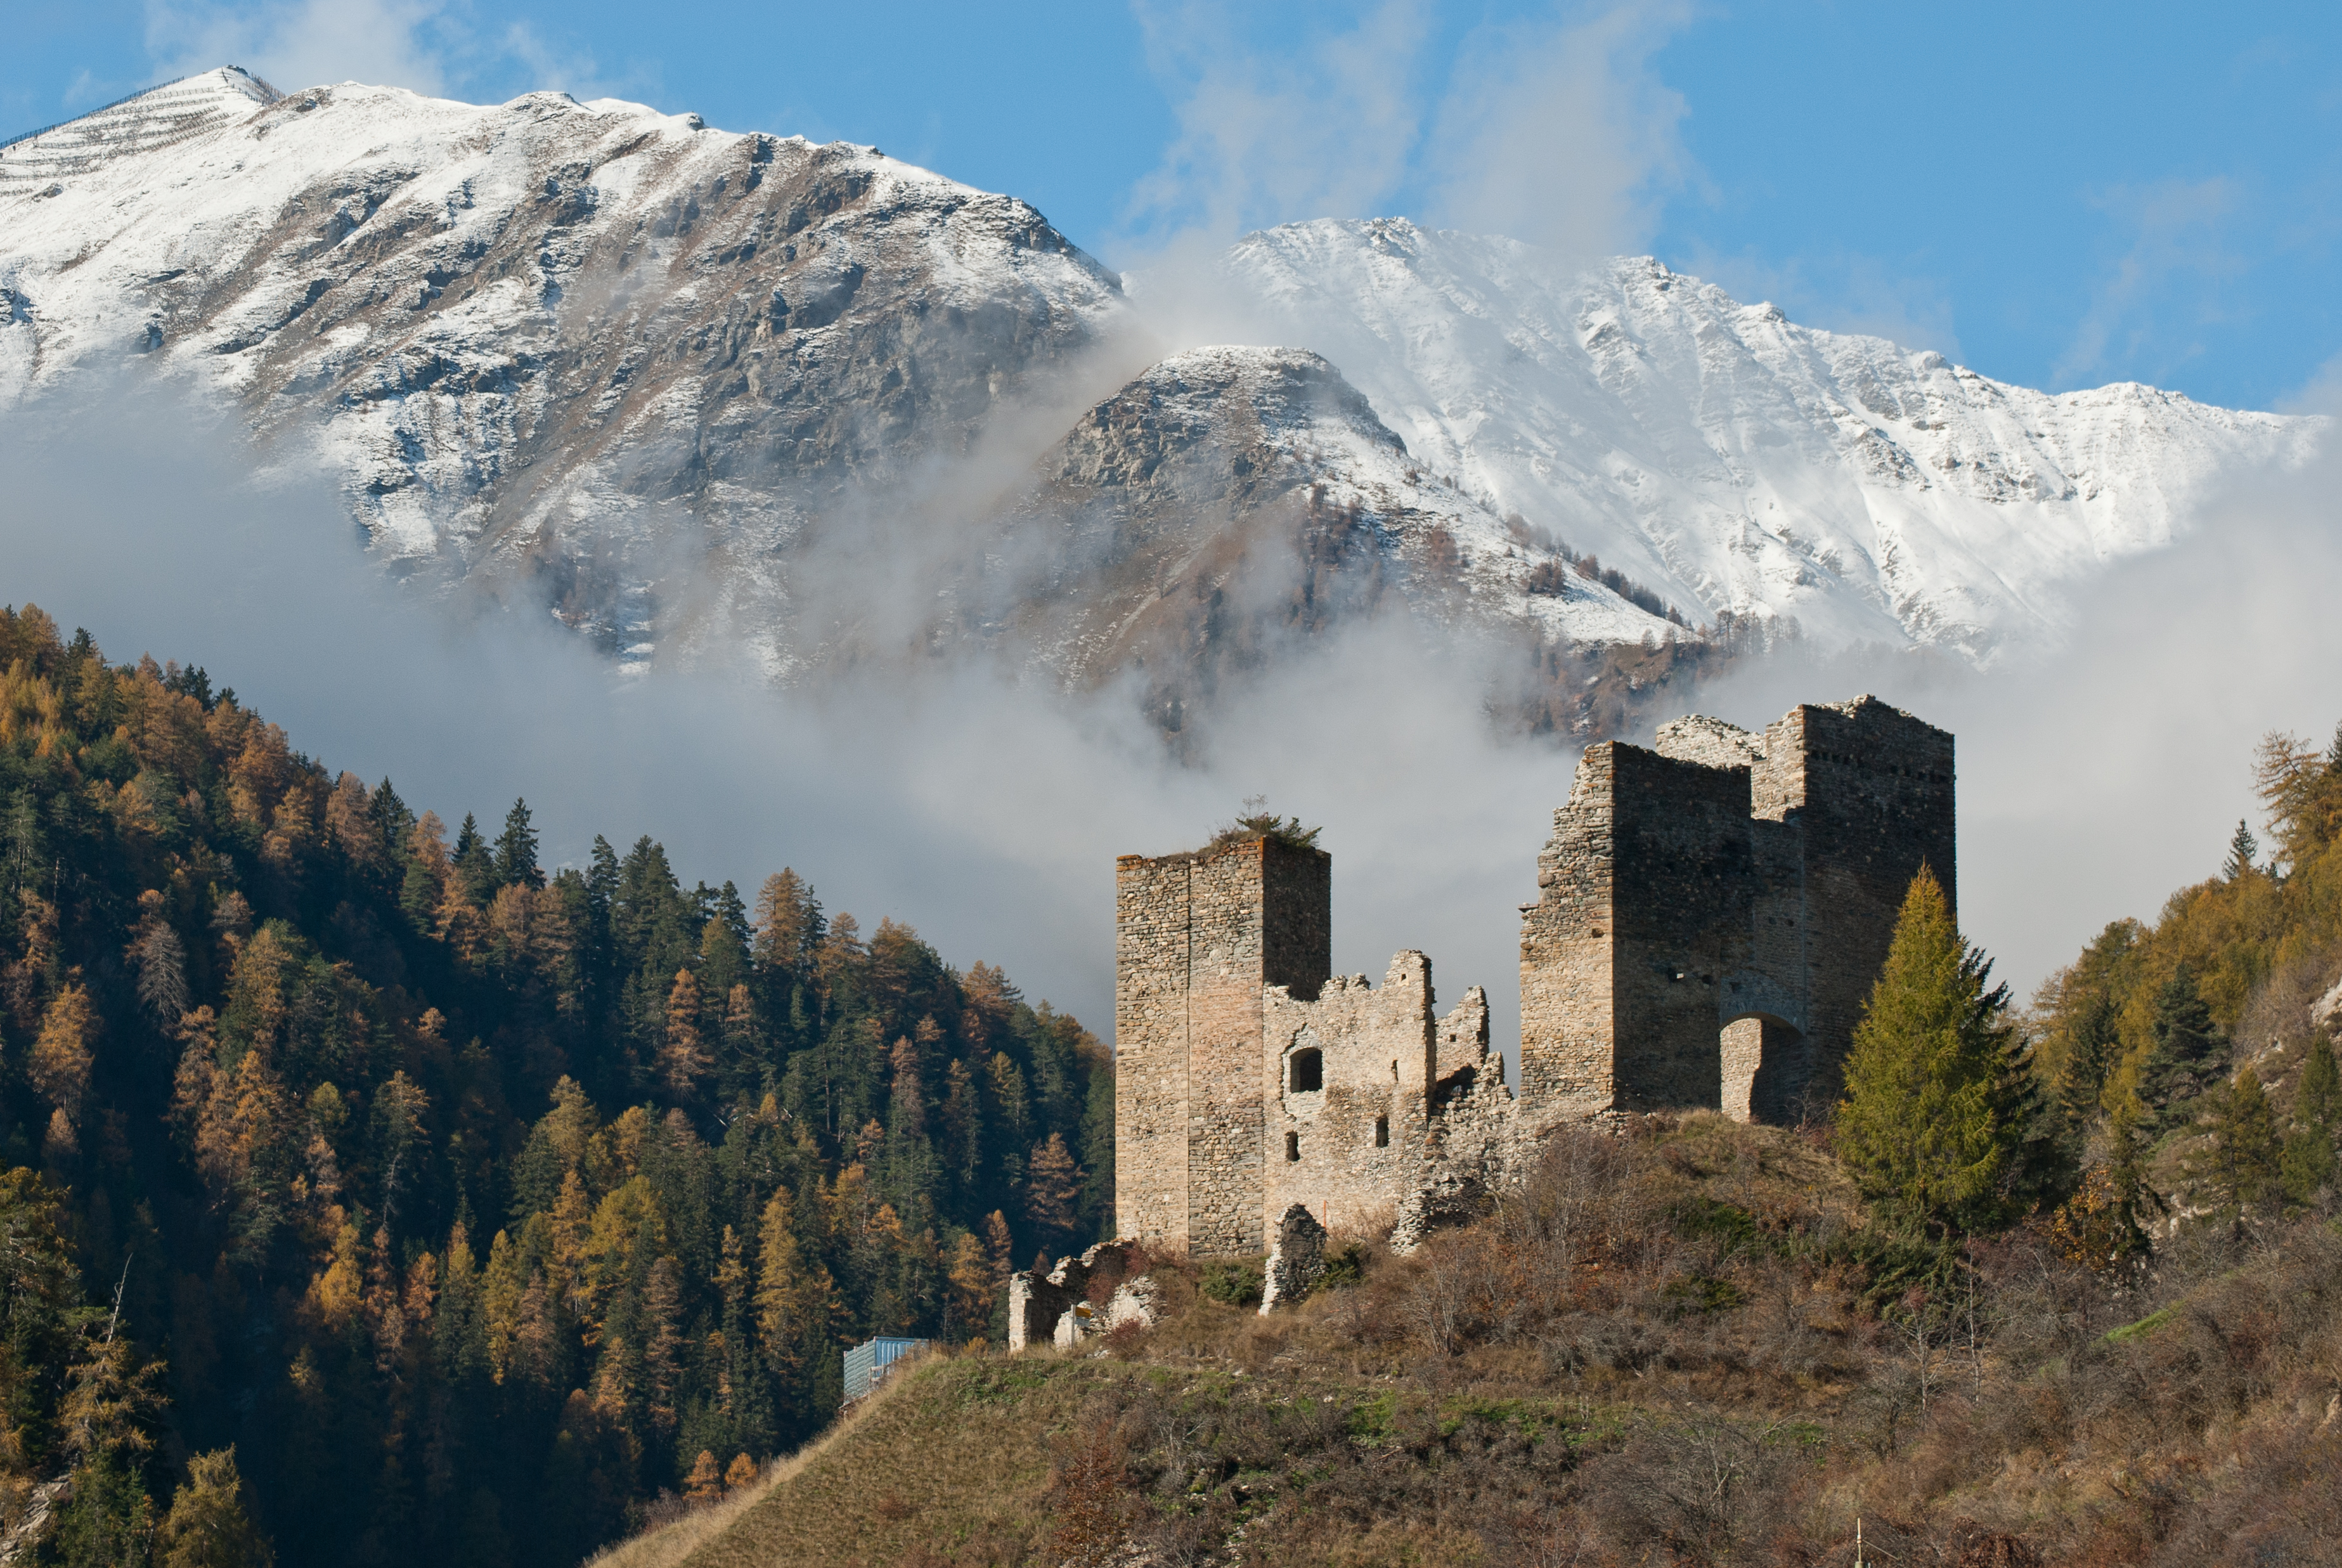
[1684, 1345]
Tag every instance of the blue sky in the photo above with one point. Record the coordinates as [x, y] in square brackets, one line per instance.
[2058, 195]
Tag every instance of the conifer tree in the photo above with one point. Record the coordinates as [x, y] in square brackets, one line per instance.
[1935, 1124]
[1051, 1183]
[2309, 1162]
[207, 1526]
[683, 1059]
[2242, 848]
[475, 863]
[2134, 1202]
[2187, 1044]
[2240, 1162]
[517, 850]
[705, 1482]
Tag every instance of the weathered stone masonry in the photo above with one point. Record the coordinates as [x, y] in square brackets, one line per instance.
[1711, 916]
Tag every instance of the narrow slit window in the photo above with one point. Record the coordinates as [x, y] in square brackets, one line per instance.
[1382, 1132]
[1292, 1148]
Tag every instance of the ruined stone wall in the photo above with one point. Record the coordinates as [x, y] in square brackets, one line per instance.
[1772, 896]
[1347, 1148]
[1710, 919]
[1150, 1050]
[1874, 796]
[1567, 1028]
[1225, 979]
[1686, 885]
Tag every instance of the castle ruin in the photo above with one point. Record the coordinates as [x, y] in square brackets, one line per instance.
[1711, 915]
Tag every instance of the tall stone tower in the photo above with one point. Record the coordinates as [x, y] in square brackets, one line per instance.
[1713, 914]
[1197, 937]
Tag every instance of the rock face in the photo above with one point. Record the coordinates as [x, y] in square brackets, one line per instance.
[1230, 496]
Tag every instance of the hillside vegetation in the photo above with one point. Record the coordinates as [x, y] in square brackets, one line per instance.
[1683, 1345]
[400, 1199]
[2056, 1287]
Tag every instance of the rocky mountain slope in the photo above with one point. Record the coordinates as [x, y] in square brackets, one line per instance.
[1735, 460]
[543, 334]
[691, 386]
[1230, 495]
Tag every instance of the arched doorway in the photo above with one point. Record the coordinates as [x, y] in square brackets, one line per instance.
[1763, 1062]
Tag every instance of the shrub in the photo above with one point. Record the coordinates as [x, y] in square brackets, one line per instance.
[1235, 1283]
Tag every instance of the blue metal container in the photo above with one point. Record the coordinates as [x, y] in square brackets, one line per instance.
[866, 1363]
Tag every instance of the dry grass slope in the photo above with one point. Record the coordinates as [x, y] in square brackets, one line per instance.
[1684, 1346]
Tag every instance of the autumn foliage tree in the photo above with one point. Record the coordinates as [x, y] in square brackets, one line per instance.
[467, 1197]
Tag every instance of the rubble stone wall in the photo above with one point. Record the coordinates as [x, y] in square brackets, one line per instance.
[1347, 1148]
[1568, 998]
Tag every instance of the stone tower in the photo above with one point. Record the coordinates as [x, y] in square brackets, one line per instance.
[1713, 914]
[1197, 938]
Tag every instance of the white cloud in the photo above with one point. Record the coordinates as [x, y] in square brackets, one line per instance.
[1842, 292]
[2180, 232]
[308, 42]
[1559, 134]
[1323, 130]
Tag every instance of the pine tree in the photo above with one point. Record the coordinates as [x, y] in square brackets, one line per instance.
[2134, 1202]
[2240, 1163]
[515, 858]
[2242, 848]
[208, 1526]
[2091, 1041]
[1934, 1125]
[2308, 1162]
[2187, 1044]
[475, 863]
[61, 1060]
[684, 1060]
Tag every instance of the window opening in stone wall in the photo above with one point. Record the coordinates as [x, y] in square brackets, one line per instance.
[1382, 1132]
[1292, 1148]
[1307, 1072]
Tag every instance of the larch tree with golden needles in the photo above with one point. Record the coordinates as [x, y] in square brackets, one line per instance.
[1939, 1123]
[207, 1526]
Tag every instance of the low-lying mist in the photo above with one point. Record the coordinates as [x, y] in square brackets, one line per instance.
[986, 808]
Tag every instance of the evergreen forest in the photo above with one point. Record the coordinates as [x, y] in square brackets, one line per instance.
[379, 1194]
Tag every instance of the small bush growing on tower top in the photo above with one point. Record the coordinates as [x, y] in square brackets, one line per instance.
[1260, 822]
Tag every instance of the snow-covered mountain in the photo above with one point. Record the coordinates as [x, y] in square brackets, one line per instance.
[543, 335]
[1229, 492]
[686, 383]
[1730, 458]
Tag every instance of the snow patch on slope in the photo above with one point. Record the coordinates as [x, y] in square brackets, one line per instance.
[1732, 459]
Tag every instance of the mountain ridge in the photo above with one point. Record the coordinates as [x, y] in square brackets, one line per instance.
[680, 383]
[1638, 412]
